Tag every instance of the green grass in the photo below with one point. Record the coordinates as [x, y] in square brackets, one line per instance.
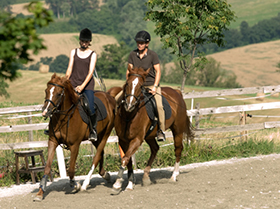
[253, 11]
[221, 146]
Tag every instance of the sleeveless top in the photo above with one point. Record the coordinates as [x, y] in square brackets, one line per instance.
[80, 71]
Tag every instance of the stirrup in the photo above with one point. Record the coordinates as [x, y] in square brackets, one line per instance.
[160, 136]
[92, 136]
[46, 132]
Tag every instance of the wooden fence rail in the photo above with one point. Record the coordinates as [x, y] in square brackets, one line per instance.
[194, 112]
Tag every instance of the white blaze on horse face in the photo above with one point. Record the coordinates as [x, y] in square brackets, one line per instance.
[51, 96]
[134, 84]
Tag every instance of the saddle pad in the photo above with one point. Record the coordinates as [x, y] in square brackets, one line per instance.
[100, 110]
[148, 98]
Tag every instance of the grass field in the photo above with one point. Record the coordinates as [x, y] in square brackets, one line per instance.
[253, 11]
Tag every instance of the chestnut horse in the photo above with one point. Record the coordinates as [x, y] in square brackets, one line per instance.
[132, 124]
[67, 127]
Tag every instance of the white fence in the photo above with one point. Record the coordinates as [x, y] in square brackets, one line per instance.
[193, 112]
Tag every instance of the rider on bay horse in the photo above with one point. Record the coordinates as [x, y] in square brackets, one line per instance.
[145, 58]
[80, 73]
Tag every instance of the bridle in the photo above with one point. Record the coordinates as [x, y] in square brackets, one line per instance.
[137, 98]
[59, 99]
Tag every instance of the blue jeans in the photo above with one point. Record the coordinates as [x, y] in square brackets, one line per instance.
[90, 97]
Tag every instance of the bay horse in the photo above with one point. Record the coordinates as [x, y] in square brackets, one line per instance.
[67, 127]
[132, 124]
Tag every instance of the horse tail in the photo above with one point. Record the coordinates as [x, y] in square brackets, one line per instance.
[189, 130]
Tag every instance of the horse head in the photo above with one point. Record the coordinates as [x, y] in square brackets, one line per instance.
[55, 94]
[133, 87]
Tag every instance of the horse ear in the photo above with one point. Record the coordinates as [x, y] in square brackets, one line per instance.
[146, 72]
[53, 76]
[64, 79]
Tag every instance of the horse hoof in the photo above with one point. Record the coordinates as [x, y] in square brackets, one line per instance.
[37, 198]
[130, 186]
[107, 177]
[116, 191]
[77, 186]
[172, 180]
[146, 182]
[83, 188]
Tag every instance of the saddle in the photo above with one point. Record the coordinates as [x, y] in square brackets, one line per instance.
[99, 107]
[151, 108]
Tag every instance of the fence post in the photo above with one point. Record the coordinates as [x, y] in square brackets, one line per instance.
[30, 133]
[197, 115]
[60, 161]
[242, 121]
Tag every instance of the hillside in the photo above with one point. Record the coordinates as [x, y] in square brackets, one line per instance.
[254, 65]
[58, 44]
[252, 11]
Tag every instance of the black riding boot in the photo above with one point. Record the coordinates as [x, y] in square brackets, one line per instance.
[92, 127]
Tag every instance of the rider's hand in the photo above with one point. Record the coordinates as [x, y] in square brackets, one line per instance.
[153, 90]
[79, 89]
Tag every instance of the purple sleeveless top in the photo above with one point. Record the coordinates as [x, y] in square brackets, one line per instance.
[80, 71]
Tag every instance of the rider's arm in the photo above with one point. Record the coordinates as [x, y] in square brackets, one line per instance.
[157, 78]
[158, 74]
[70, 64]
[127, 71]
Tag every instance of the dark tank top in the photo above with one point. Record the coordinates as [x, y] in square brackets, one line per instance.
[80, 72]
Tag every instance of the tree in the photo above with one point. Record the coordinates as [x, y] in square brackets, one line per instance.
[113, 61]
[186, 25]
[18, 39]
[130, 26]
[60, 63]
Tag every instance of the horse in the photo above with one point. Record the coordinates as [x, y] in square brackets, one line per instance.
[132, 124]
[67, 127]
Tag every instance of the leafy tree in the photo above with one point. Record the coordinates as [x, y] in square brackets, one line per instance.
[129, 26]
[113, 61]
[209, 75]
[59, 65]
[18, 39]
[187, 24]
[72, 7]
[245, 31]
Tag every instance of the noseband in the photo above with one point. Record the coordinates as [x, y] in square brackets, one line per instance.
[60, 98]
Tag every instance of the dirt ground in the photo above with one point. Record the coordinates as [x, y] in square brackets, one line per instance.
[235, 183]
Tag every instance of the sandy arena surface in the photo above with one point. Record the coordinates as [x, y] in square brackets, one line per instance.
[235, 183]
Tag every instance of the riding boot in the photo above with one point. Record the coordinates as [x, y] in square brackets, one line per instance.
[92, 126]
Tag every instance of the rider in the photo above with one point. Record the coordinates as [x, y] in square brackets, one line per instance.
[80, 73]
[145, 58]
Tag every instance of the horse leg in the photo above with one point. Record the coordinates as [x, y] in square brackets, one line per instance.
[104, 174]
[43, 183]
[98, 156]
[71, 171]
[130, 176]
[178, 144]
[154, 149]
[133, 146]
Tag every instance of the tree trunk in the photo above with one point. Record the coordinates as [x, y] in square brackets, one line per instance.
[183, 81]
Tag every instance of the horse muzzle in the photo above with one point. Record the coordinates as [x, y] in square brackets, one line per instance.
[46, 112]
[129, 107]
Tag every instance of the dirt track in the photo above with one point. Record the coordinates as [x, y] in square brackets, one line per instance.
[235, 183]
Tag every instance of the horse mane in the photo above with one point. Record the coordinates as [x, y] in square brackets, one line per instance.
[63, 81]
[68, 86]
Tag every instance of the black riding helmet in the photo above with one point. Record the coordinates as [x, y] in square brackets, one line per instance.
[143, 36]
[85, 35]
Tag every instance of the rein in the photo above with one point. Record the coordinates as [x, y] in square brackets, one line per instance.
[65, 112]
